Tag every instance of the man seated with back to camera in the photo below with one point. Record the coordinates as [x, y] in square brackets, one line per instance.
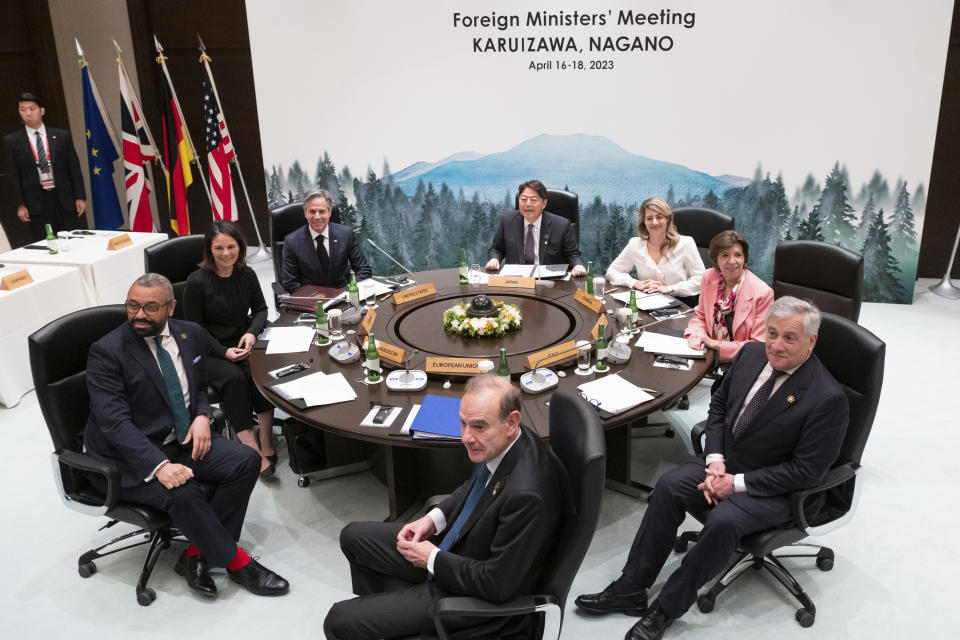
[321, 252]
[489, 539]
[149, 414]
[534, 236]
[775, 426]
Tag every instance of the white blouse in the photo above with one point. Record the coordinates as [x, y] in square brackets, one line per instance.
[680, 271]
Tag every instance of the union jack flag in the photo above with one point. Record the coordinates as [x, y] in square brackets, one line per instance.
[219, 152]
[136, 150]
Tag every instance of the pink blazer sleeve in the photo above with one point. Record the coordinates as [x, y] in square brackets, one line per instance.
[708, 295]
[748, 319]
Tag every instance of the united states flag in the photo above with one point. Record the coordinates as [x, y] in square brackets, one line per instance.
[136, 150]
[219, 153]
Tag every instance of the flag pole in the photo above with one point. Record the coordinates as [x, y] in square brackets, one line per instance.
[96, 94]
[162, 60]
[263, 252]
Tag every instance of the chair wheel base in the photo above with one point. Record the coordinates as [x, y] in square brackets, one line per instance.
[805, 617]
[303, 482]
[87, 569]
[146, 597]
[706, 603]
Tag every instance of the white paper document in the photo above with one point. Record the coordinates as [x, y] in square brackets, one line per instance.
[646, 302]
[379, 288]
[527, 271]
[317, 389]
[290, 339]
[614, 394]
[669, 345]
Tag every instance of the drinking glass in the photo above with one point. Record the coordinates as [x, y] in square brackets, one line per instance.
[598, 284]
[625, 316]
[474, 274]
[335, 323]
[584, 353]
[370, 297]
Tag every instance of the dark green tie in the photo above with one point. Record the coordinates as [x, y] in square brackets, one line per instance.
[181, 417]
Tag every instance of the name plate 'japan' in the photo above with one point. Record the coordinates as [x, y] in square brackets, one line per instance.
[416, 293]
[556, 353]
[588, 301]
[15, 280]
[119, 242]
[596, 328]
[462, 366]
[367, 325]
[511, 282]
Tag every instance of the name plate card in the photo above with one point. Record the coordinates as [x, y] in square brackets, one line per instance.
[119, 242]
[367, 323]
[423, 291]
[512, 282]
[386, 351]
[15, 280]
[462, 366]
[556, 353]
[588, 301]
[596, 328]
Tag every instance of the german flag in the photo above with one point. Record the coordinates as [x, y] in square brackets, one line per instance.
[177, 157]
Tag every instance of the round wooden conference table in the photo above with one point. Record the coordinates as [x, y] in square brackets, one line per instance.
[413, 469]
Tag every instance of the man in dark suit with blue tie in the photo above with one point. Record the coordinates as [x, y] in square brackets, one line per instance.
[488, 539]
[531, 235]
[321, 252]
[775, 426]
[44, 169]
[150, 415]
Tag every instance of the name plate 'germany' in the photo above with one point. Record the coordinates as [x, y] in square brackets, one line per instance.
[367, 323]
[588, 301]
[556, 353]
[15, 280]
[462, 366]
[119, 242]
[596, 327]
[512, 282]
[416, 293]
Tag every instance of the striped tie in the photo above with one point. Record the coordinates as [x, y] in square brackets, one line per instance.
[757, 403]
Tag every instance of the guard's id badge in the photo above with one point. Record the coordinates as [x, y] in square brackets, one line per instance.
[46, 179]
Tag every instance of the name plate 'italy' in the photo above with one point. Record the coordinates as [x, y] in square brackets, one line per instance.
[462, 366]
[416, 293]
[596, 328]
[119, 242]
[588, 301]
[512, 282]
[556, 353]
[15, 280]
[367, 323]
[386, 351]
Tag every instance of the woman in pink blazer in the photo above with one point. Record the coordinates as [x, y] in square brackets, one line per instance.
[733, 301]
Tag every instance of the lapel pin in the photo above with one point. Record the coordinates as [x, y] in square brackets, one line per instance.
[334, 240]
[497, 487]
[183, 336]
[791, 399]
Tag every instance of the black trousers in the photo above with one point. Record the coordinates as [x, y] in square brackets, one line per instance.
[211, 521]
[734, 517]
[239, 396]
[54, 215]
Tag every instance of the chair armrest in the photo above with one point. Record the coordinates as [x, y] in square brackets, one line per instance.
[696, 437]
[477, 608]
[88, 464]
[834, 477]
[219, 422]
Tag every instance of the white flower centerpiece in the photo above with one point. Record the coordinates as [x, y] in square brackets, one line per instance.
[456, 320]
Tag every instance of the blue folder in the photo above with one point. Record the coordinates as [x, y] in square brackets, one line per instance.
[439, 417]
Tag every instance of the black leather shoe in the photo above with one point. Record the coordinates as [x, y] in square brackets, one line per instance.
[197, 574]
[259, 580]
[268, 472]
[651, 626]
[607, 601]
[272, 458]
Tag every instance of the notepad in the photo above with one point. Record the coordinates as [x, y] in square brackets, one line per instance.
[647, 302]
[290, 339]
[543, 271]
[613, 394]
[438, 418]
[659, 343]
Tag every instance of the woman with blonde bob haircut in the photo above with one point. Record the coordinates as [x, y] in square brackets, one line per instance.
[666, 261]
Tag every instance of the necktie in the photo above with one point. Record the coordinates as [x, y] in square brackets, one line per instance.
[479, 484]
[323, 257]
[42, 162]
[181, 417]
[528, 246]
[757, 403]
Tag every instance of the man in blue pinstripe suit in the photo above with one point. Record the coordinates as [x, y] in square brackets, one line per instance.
[150, 415]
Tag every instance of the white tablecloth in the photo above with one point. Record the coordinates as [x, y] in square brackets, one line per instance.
[106, 275]
[55, 291]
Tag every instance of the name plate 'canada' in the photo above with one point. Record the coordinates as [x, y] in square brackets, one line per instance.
[511, 282]
[556, 353]
[588, 301]
[416, 293]
[463, 366]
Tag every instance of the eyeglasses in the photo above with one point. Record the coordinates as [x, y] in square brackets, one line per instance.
[151, 307]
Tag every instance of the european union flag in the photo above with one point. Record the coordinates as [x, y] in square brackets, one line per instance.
[100, 157]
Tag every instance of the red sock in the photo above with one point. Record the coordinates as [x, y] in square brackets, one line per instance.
[239, 561]
[192, 551]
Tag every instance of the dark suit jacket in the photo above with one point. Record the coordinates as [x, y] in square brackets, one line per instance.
[24, 180]
[302, 267]
[558, 240]
[794, 440]
[130, 413]
[500, 550]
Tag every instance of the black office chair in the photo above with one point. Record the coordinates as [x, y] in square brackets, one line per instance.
[701, 225]
[176, 259]
[855, 357]
[577, 438]
[565, 204]
[58, 359]
[285, 220]
[827, 274]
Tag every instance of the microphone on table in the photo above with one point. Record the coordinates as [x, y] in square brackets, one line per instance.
[395, 261]
[408, 379]
[538, 379]
[540, 282]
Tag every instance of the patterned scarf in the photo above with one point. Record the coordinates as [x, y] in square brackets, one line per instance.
[723, 306]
